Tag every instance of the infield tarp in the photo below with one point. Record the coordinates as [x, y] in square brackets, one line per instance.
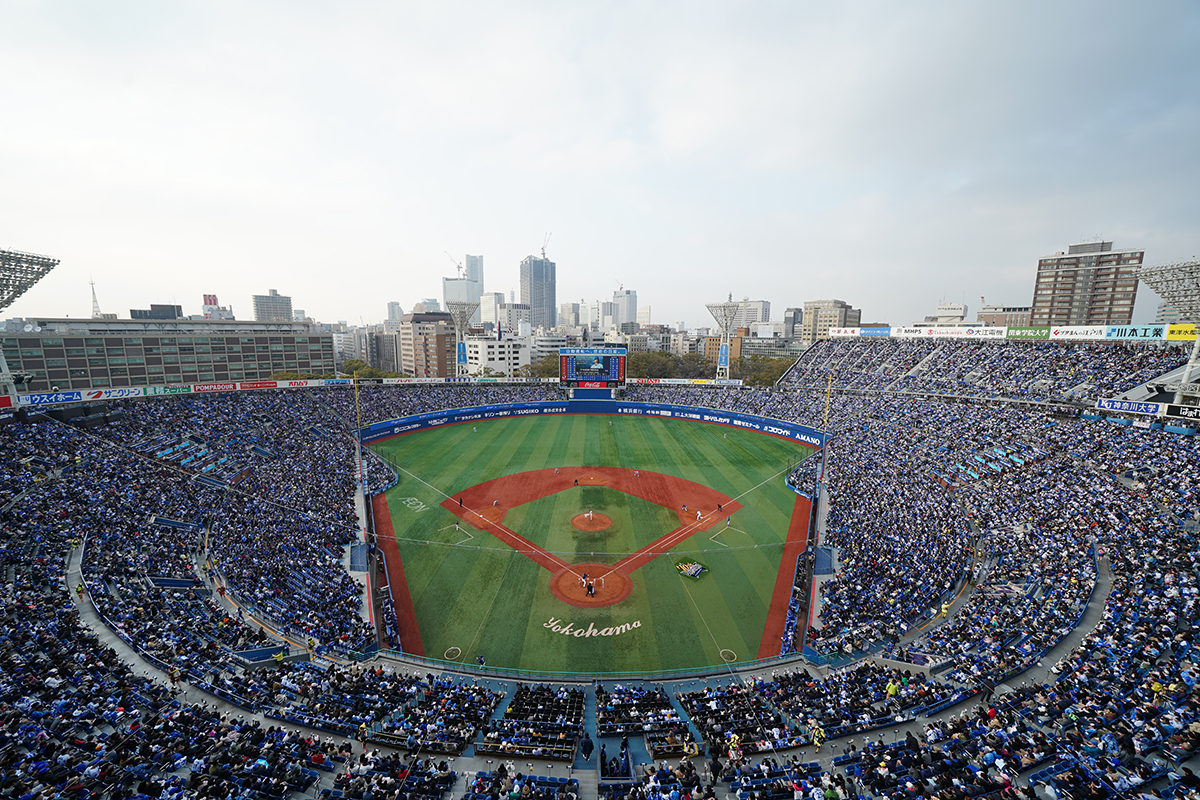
[385, 430]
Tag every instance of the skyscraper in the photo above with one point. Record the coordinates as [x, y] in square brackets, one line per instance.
[395, 312]
[626, 302]
[1090, 284]
[538, 290]
[474, 268]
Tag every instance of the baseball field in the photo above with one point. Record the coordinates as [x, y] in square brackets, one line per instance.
[591, 543]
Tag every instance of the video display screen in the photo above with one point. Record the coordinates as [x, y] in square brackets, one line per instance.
[591, 368]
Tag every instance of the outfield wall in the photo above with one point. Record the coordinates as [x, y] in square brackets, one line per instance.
[378, 432]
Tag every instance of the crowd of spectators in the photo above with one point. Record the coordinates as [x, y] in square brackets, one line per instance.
[980, 367]
[381, 403]
[1029, 534]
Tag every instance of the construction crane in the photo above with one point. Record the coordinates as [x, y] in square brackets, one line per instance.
[545, 242]
[462, 271]
[620, 286]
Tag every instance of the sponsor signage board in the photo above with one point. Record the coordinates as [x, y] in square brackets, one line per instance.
[838, 333]
[1129, 406]
[1144, 332]
[112, 394]
[1186, 412]
[1027, 333]
[1181, 333]
[874, 331]
[799, 433]
[1078, 332]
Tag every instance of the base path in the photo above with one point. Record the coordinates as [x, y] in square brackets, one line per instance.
[406, 616]
[797, 540]
[484, 506]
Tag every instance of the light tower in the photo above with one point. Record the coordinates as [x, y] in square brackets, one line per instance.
[1179, 284]
[461, 312]
[725, 314]
[18, 272]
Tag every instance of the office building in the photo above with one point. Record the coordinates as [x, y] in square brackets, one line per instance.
[792, 319]
[1090, 284]
[1004, 316]
[74, 353]
[643, 316]
[568, 315]
[395, 311]
[491, 357]
[538, 290]
[625, 301]
[272, 307]
[751, 311]
[473, 266]
[821, 315]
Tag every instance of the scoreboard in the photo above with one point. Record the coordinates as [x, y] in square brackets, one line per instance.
[591, 367]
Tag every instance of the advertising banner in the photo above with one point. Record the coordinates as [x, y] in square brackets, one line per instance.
[839, 333]
[214, 387]
[462, 352]
[1142, 332]
[160, 390]
[1181, 333]
[723, 357]
[874, 331]
[1186, 412]
[1078, 332]
[1129, 406]
[799, 433]
[1026, 333]
[48, 398]
[254, 385]
[112, 394]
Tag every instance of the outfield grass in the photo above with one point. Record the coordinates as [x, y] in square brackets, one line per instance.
[478, 595]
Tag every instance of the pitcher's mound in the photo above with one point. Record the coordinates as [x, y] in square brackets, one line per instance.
[598, 522]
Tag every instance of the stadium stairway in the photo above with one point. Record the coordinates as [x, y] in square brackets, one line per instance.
[589, 725]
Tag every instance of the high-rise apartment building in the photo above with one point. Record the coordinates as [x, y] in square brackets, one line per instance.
[821, 315]
[272, 307]
[1165, 315]
[1090, 284]
[427, 345]
[538, 290]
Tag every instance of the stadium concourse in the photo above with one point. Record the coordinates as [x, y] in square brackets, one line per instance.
[176, 540]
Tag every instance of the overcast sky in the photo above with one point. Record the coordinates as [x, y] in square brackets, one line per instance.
[888, 154]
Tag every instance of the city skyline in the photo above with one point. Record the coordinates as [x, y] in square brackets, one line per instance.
[887, 156]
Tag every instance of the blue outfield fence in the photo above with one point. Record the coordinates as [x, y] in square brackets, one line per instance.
[802, 434]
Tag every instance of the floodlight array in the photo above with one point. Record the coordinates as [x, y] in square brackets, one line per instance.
[19, 271]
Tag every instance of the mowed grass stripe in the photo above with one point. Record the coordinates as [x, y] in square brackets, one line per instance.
[458, 590]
